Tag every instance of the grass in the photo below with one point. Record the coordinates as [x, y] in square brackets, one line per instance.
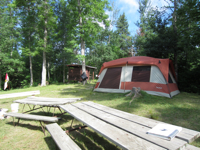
[182, 110]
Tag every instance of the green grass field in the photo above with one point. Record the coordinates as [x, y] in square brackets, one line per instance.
[182, 110]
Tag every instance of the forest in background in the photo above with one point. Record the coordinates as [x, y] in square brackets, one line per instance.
[39, 38]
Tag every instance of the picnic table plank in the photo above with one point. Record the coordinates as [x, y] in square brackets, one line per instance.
[63, 141]
[131, 127]
[118, 136]
[187, 135]
[51, 99]
[43, 101]
[2, 96]
[32, 117]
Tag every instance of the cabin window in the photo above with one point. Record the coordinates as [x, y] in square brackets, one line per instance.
[141, 74]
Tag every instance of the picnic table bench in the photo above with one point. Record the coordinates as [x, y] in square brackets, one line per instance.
[32, 117]
[2, 96]
[128, 131]
[63, 141]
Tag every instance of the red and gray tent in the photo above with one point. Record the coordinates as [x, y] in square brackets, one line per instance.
[153, 75]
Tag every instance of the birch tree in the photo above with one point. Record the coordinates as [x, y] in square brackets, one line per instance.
[46, 19]
[88, 14]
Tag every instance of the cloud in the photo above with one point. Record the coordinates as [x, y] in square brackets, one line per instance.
[130, 3]
[128, 6]
[160, 3]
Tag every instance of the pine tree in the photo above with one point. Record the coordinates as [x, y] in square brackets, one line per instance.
[64, 35]
[124, 35]
[28, 17]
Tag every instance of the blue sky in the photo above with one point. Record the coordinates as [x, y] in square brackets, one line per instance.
[130, 8]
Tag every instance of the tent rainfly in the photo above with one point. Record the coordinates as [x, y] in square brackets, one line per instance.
[153, 75]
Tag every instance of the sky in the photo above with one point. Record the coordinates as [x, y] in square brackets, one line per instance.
[130, 8]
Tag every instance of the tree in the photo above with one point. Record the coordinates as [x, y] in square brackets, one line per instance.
[104, 49]
[64, 35]
[125, 39]
[9, 57]
[145, 11]
[173, 35]
[87, 16]
[28, 17]
[188, 40]
[46, 21]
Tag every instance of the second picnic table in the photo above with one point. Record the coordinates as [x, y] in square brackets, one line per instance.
[128, 131]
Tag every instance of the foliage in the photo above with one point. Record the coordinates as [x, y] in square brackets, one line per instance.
[174, 36]
[125, 39]
[10, 61]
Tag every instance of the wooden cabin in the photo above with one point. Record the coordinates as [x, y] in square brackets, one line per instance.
[75, 72]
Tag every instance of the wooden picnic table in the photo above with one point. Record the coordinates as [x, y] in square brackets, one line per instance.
[128, 131]
[40, 102]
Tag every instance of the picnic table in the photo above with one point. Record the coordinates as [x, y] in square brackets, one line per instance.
[128, 131]
[41, 102]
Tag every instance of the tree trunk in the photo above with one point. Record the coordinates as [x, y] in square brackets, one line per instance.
[64, 59]
[0, 79]
[11, 37]
[64, 70]
[48, 65]
[83, 61]
[44, 70]
[83, 53]
[0, 74]
[175, 32]
[132, 51]
[30, 58]
[82, 42]
[31, 71]
[54, 70]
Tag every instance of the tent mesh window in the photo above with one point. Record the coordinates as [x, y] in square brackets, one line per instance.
[141, 74]
[111, 78]
[169, 79]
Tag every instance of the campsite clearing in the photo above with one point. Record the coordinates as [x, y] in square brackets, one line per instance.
[182, 110]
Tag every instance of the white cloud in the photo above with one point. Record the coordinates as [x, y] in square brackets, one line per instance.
[130, 3]
[160, 3]
[128, 6]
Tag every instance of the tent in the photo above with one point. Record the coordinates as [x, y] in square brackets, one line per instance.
[153, 75]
